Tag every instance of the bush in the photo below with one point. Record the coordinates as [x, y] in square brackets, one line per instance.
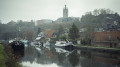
[7, 59]
[11, 59]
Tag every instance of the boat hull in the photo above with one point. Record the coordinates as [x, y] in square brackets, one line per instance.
[67, 47]
[17, 45]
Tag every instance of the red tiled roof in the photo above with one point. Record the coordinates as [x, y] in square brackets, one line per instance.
[50, 33]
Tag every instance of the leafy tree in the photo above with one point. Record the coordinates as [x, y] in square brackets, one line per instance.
[73, 33]
[100, 18]
[60, 30]
[29, 35]
[39, 30]
[6, 36]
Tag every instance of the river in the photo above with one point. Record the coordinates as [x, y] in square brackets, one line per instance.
[57, 57]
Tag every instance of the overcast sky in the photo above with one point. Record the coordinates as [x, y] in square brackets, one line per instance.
[50, 9]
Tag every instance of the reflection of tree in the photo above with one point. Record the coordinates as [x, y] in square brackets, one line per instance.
[74, 58]
[39, 30]
[60, 30]
[90, 63]
[30, 54]
[86, 54]
[93, 59]
[61, 58]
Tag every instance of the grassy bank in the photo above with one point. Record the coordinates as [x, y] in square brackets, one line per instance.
[107, 49]
[2, 57]
[98, 47]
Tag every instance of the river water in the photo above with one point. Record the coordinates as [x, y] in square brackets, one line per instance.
[57, 57]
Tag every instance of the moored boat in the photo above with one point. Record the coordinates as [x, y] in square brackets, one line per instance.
[17, 45]
[64, 44]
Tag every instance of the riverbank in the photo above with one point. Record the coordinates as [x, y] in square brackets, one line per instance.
[2, 57]
[7, 59]
[94, 48]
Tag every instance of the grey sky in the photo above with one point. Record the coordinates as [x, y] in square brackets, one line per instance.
[50, 9]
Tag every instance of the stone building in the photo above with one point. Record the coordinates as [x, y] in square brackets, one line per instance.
[65, 12]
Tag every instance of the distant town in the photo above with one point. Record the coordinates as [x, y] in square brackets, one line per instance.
[63, 42]
[101, 26]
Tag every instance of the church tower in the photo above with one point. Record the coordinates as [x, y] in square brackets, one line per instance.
[65, 12]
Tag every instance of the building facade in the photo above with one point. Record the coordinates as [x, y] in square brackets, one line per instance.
[108, 39]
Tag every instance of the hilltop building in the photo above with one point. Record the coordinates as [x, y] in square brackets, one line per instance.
[63, 19]
[65, 12]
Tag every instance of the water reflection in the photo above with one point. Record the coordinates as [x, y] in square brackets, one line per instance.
[28, 64]
[99, 59]
[74, 58]
[58, 57]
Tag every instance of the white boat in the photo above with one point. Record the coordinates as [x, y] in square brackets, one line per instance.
[63, 43]
[37, 44]
[38, 38]
[60, 43]
[66, 45]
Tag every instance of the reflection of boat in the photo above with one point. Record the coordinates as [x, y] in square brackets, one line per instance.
[64, 44]
[47, 43]
[61, 50]
[36, 43]
[37, 48]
